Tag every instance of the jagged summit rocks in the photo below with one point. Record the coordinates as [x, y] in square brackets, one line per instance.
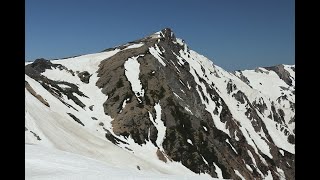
[168, 34]
[157, 96]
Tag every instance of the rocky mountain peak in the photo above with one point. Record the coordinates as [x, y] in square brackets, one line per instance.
[157, 96]
[167, 34]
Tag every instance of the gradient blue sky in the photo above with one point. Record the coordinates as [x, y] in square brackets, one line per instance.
[234, 34]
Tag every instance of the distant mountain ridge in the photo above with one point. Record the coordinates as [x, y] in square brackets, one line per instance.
[156, 104]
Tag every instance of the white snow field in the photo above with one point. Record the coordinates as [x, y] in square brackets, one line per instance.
[44, 163]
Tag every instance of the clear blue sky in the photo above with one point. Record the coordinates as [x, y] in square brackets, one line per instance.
[235, 34]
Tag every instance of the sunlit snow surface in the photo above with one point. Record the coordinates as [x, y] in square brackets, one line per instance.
[218, 171]
[134, 46]
[155, 51]
[132, 73]
[158, 123]
[238, 174]
[88, 62]
[42, 163]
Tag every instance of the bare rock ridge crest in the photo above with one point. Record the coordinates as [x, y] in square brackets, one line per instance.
[159, 94]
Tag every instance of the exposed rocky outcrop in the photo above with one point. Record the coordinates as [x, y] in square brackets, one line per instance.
[36, 136]
[282, 73]
[39, 66]
[84, 76]
[75, 118]
[39, 97]
[243, 78]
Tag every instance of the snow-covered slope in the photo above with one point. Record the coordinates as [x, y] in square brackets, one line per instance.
[48, 163]
[159, 106]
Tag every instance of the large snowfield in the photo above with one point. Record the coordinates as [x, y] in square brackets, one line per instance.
[44, 163]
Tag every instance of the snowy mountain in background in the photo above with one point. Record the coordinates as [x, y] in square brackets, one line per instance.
[154, 108]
